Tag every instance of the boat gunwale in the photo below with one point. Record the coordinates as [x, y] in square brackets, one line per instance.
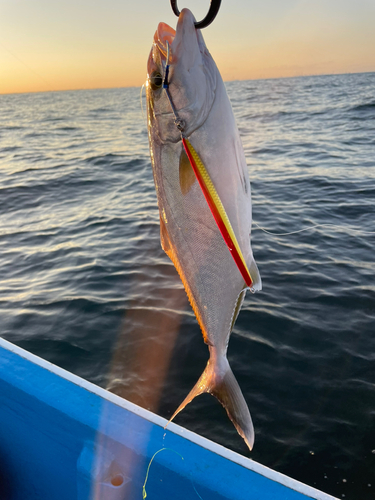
[247, 463]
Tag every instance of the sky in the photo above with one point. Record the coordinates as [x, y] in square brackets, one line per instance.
[79, 44]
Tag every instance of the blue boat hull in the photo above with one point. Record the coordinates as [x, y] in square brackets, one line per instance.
[63, 438]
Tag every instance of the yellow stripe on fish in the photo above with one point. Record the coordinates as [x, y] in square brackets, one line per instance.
[209, 188]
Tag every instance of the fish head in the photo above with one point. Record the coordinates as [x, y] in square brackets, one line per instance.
[192, 78]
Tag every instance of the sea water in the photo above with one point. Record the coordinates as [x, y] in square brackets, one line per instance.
[85, 284]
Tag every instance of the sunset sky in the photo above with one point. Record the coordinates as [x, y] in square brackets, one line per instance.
[66, 44]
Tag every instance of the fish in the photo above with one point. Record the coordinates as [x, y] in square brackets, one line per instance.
[197, 103]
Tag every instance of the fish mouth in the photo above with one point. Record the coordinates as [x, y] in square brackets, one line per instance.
[165, 34]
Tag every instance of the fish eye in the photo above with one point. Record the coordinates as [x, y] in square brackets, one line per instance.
[156, 80]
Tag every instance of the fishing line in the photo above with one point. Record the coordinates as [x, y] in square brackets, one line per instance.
[195, 489]
[144, 493]
[142, 110]
[26, 65]
[310, 228]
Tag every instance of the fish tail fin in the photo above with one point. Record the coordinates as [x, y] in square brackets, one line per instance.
[218, 380]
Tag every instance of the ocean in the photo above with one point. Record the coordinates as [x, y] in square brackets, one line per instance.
[85, 284]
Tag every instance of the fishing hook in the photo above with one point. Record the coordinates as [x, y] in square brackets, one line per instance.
[212, 13]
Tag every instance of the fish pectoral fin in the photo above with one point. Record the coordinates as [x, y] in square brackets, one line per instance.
[186, 173]
[218, 380]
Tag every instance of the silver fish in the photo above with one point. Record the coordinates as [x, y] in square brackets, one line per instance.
[189, 234]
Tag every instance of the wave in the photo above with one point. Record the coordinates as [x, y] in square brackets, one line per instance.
[369, 106]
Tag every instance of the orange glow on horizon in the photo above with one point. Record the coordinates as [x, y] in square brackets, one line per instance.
[71, 46]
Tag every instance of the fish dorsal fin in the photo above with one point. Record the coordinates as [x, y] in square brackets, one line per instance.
[187, 176]
[237, 307]
[257, 280]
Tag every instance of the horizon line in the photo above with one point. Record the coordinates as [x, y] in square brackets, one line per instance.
[225, 81]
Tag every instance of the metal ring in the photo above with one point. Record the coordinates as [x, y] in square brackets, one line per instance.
[212, 13]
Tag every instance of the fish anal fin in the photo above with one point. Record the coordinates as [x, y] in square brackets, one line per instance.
[186, 173]
[218, 380]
